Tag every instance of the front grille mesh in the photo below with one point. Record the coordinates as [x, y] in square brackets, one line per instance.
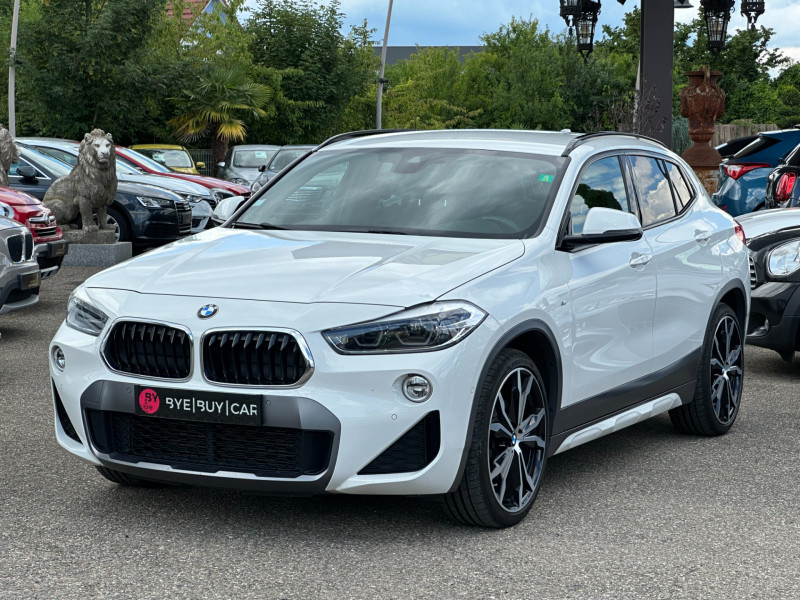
[149, 349]
[210, 447]
[753, 274]
[253, 358]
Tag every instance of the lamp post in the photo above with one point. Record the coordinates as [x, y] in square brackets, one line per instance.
[570, 11]
[12, 112]
[751, 10]
[381, 80]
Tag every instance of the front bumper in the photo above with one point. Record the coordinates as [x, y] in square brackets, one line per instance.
[16, 289]
[50, 255]
[775, 317]
[356, 399]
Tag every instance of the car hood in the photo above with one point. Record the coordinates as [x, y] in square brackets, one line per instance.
[306, 267]
[17, 198]
[137, 189]
[6, 223]
[213, 182]
[768, 221]
[172, 184]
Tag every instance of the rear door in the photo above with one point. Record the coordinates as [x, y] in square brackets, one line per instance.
[687, 261]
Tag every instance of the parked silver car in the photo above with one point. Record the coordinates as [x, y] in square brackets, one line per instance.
[241, 164]
[19, 271]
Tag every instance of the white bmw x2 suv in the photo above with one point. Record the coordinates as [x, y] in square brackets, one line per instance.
[428, 312]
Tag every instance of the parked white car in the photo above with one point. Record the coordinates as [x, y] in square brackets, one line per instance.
[414, 313]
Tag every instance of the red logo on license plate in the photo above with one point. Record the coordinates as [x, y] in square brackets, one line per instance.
[149, 401]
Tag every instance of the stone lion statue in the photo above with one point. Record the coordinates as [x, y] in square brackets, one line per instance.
[91, 185]
[8, 154]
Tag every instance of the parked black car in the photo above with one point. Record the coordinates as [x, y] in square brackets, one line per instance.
[773, 237]
[147, 216]
[782, 188]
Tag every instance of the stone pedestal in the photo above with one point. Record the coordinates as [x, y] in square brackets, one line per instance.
[702, 102]
[98, 255]
[90, 236]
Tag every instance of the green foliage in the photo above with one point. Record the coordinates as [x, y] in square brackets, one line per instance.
[82, 65]
[320, 70]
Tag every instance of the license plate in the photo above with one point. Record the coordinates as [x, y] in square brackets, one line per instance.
[58, 249]
[29, 281]
[188, 405]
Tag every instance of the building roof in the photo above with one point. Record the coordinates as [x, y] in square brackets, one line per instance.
[397, 53]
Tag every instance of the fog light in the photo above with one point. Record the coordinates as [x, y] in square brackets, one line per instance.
[58, 358]
[416, 388]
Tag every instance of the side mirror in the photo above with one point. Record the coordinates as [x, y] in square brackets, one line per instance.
[603, 226]
[200, 165]
[262, 168]
[221, 164]
[27, 173]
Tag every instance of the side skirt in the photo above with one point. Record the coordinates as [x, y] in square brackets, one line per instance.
[614, 423]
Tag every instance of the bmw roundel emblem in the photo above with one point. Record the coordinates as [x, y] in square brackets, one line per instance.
[207, 311]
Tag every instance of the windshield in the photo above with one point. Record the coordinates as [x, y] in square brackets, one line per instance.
[56, 167]
[251, 158]
[443, 192]
[286, 156]
[141, 158]
[171, 158]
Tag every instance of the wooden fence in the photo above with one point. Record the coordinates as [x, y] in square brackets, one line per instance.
[730, 131]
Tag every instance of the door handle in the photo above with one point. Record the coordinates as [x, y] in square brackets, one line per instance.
[701, 237]
[640, 260]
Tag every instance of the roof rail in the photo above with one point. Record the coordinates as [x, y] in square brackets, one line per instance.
[581, 139]
[355, 134]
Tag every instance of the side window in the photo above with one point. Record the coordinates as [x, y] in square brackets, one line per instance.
[652, 183]
[601, 184]
[683, 193]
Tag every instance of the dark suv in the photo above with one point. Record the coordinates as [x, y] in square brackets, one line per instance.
[743, 177]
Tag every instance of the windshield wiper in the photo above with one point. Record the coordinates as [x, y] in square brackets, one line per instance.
[264, 225]
[385, 231]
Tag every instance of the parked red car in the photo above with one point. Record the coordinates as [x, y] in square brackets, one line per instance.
[219, 187]
[49, 245]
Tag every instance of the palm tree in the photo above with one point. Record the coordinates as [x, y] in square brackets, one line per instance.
[214, 106]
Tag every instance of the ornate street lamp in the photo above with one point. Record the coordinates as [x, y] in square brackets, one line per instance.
[585, 24]
[717, 14]
[570, 11]
[752, 10]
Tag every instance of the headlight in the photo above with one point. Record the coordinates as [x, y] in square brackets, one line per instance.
[422, 329]
[219, 193]
[785, 259]
[240, 181]
[149, 202]
[83, 315]
[255, 187]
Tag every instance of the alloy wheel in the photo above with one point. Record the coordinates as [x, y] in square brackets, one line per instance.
[516, 441]
[726, 370]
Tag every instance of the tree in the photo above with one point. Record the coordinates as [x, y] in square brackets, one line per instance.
[214, 108]
[83, 66]
[301, 44]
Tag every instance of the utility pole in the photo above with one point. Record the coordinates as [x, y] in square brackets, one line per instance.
[381, 80]
[12, 112]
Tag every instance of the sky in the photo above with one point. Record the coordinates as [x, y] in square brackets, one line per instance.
[461, 22]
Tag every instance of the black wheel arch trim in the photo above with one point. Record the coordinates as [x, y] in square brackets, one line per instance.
[531, 326]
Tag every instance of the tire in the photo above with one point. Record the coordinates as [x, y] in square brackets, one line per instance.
[115, 217]
[128, 480]
[493, 501]
[720, 378]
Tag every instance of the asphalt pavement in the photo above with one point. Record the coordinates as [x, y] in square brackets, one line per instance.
[644, 513]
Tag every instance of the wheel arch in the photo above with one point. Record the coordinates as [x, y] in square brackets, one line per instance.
[535, 339]
[733, 294]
